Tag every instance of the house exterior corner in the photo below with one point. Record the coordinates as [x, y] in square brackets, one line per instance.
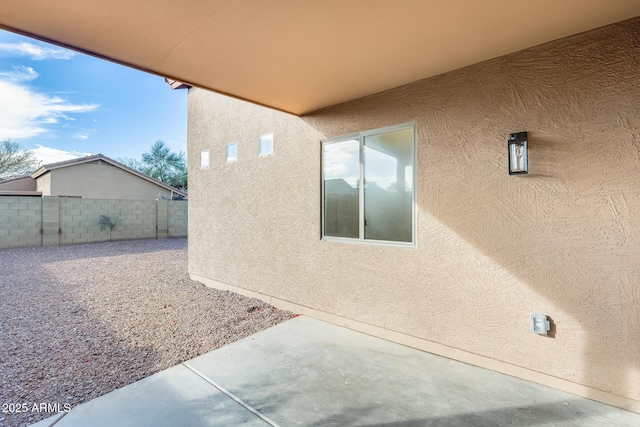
[488, 249]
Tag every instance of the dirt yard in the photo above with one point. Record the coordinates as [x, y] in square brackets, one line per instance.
[77, 322]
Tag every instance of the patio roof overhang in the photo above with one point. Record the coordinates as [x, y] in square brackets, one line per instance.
[300, 56]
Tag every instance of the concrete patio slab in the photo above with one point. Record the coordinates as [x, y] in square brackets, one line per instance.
[174, 397]
[305, 372]
[47, 422]
[311, 373]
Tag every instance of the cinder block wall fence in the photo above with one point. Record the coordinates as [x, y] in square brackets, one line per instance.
[53, 221]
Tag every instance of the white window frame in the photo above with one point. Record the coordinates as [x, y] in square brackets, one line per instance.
[270, 153]
[360, 136]
[204, 154]
[226, 153]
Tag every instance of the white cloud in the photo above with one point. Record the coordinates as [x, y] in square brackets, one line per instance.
[26, 113]
[81, 136]
[34, 51]
[20, 73]
[342, 160]
[53, 155]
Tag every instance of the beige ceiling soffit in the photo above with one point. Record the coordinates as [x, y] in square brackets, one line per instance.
[129, 65]
[300, 56]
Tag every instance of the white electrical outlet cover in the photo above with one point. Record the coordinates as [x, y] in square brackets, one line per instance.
[539, 324]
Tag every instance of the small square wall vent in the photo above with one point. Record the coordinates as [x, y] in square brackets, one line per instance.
[539, 324]
[265, 145]
[232, 152]
[204, 159]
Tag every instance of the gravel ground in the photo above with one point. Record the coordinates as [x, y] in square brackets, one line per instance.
[77, 322]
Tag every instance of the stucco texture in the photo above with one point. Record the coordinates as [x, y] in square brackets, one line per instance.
[491, 248]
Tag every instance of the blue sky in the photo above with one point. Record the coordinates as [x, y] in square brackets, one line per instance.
[63, 104]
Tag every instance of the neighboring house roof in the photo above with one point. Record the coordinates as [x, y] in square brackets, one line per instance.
[15, 178]
[52, 166]
[339, 185]
[21, 193]
[175, 84]
[18, 184]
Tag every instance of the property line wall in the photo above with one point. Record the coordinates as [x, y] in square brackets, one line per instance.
[177, 219]
[78, 219]
[54, 221]
[20, 221]
[491, 248]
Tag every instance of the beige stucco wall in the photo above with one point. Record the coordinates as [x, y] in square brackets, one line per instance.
[43, 184]
[491, 248]
[100, 180]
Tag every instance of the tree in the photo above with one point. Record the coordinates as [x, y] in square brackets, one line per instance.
[179, 179]
[14, 160]
[132, 163]
[162, 164]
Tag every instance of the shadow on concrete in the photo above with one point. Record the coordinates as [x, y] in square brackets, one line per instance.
[523, 416]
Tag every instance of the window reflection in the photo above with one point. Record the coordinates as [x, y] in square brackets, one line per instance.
[378, 169]
[388, 192]
[341, 172]
[232, 152]
[266, 145]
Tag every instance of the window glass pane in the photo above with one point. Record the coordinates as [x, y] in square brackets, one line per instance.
[341, 175]
[388, 189]
[266, 145]
[232, 152]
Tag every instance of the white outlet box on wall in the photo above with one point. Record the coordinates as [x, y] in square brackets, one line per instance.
[540, 324]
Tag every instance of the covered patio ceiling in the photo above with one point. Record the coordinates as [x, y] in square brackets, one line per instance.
[302, 55]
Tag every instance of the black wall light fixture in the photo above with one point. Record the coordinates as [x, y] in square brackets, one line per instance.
[517, 145]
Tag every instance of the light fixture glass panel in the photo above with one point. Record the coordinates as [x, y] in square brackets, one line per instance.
[232, 152]
[340, 180]
[388, 186]
[266, 144]
[517, 157]
[204, 159]
[517, 145]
